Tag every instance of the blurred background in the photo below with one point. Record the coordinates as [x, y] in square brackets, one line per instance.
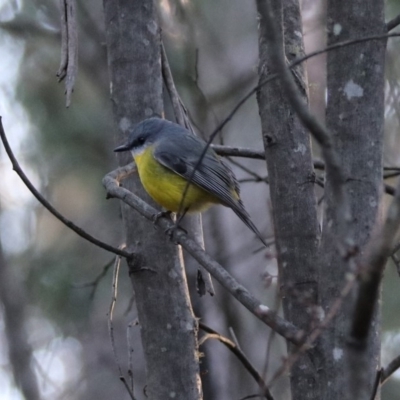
[50, 307]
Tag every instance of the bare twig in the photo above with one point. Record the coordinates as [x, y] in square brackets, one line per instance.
[238, 152]
[271, 334]
[293, 64]
[396, 262]
[283, 327]
[389, 189]
[257, 177]
[130, 355]
[391, 168]
[391, 174]
[95, 282]
[390, 369]
[260, 155]
[235, 349]
[173, 93]
[393, 23]
[69, 47]
[114, 292]
[234, 337]
[376, 384]
[46, 204]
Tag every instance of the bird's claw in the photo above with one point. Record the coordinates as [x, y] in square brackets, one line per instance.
[173, 229]
[161, 214]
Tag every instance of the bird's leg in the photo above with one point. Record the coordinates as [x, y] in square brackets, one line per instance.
[170, 231]
[179, 217]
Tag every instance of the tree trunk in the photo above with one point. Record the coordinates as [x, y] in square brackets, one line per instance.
[355, 112]
[168, 327]
[290, 172]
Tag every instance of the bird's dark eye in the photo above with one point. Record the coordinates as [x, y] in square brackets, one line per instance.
[140, 140]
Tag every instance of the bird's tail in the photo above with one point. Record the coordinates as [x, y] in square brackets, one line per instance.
[241, 212]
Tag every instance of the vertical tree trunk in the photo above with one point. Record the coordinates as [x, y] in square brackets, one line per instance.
[355, 112]
[290, 171]
[168, 327]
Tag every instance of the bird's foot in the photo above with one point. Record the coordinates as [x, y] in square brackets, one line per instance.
[171, 231]
[161, 214]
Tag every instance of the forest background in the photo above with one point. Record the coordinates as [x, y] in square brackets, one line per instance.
[66, 153]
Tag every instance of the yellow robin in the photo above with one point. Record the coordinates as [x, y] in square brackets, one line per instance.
[166, 155]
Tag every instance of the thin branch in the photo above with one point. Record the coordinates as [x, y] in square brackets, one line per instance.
[391, 168]
[95, 282]
[376, 384]
[396, 262]
[238, 152]
[234, 338]
[280, 325]
[390, 369]
[260, 155]
[130, 355]
[173, 93]
[393, 23]
[257, 177]
[46, 204]
[62, 70]
[389, 189]
[293, 64]
[271, 334]
[391, 174]
[114, 292]
[235, 349]
[69, 47]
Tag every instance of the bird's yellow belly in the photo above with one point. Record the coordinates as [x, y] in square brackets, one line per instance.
[167, 188]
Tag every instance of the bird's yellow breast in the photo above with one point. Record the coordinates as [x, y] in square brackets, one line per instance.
[167, 188]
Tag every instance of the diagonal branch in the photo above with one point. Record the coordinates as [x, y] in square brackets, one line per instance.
[390, 369]
[293, 64]
[212, 334]
[280, 325]
[46, 204]
[173, 93]
[393, 23]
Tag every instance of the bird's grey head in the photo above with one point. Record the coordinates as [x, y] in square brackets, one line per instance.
[143, 135]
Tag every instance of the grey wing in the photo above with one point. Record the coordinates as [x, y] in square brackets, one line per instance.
[181, 155]
[212, 175]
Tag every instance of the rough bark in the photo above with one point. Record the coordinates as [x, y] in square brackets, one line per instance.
[290, 172]
[168, 327]
[355, 112]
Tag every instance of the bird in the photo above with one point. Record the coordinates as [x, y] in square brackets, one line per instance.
[168, 156]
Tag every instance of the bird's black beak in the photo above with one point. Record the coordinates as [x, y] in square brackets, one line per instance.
[124, 147]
